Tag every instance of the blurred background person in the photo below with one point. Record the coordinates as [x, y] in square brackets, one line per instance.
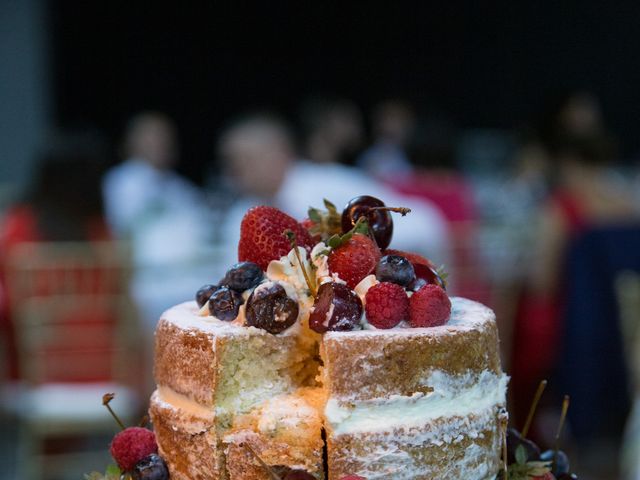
[254, 151]
[332, 130]
[583, 198]
[62, 204]
[392, 125]
[163, 215]
[310, 180]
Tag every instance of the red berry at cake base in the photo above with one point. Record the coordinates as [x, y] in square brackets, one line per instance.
[429, 307]
[386, 305]
[355, 259]
[262, 237]
[132, 445]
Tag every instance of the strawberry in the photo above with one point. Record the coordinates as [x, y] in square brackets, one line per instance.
[429, 307]
[262, 236]
[544, 476]
[309, 225]
[354, 259]
[386, 305]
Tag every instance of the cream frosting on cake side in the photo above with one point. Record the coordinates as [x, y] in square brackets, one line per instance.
[416, 403]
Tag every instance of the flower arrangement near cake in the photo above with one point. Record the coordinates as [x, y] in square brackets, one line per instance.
[325, 353]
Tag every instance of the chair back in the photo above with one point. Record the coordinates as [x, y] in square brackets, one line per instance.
[73, 317]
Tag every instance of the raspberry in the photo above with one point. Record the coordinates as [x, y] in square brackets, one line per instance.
[429, 307]
[355, 259]
[386, 305]
[132, 445]
[262, 236]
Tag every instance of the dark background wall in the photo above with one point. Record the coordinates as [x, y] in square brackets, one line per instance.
[488, 64]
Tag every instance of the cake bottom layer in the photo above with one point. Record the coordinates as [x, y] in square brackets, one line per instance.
[284, 431]
[187, 440]
[466, 447]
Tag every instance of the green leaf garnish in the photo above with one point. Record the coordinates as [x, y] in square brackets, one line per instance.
[521, 455]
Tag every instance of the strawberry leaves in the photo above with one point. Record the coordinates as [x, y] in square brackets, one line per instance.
[524, 469]
[325, 223]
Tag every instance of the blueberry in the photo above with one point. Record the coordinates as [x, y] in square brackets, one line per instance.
[151, 467]
[561, 464]
[243, 276]
[395, 269]
[225, 303]
[271, 309]
[205, 292]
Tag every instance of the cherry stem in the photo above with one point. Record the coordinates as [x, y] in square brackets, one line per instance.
[294, 245]
[401, 210]
[106, 398]
[563, 417]
[272, 474]
[532, 408]
[143, 421]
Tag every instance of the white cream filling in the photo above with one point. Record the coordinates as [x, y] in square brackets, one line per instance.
[171, 398]
[451, 396]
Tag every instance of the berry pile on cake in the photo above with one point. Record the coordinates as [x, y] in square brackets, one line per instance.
[325, 354]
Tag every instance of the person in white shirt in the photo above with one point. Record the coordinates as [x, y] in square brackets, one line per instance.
[259, 153]
[162, 215]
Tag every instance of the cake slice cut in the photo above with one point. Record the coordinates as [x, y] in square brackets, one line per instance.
[415, 403]
[209, 373]
[285, 431]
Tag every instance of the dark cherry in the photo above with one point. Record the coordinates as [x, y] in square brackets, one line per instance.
[568, 476]
[299, 475]
[271, 309]
[395, 269]
[205, 293]
[514, 439]
[380, 221]
[428, 274]
[345, 314]
[243, 276]
[151, 467]
[225, 303]
[561, 464]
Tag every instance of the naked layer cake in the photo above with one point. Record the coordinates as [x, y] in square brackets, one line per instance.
[325, 354]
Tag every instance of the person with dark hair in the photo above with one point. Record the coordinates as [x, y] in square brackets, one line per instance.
[333, 130]
[584, 196]
[63, 204]
[393, 124]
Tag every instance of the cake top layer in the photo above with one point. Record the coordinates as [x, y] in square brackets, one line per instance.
[466, 315]
[187, 316]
